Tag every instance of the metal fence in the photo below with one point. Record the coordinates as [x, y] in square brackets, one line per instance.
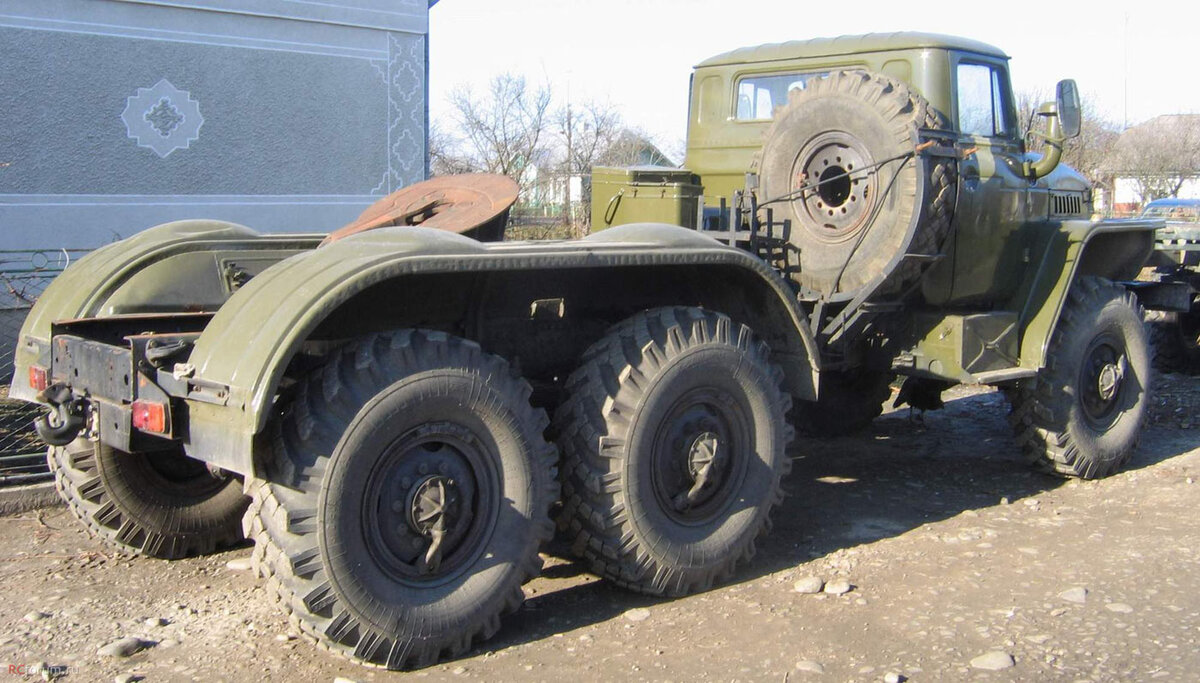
[24, 275]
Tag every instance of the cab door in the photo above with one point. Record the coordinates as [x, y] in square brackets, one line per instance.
[984, 257]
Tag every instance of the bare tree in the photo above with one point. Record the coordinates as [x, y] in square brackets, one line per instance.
[1159, 155]
[587, 131]
[504, 130]
[444, 155]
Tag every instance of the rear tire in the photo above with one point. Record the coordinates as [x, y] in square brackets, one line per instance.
[1174, 341]
[673, 441]
[849, 401]
[407, 493]
[161, 504]
[1083, 413]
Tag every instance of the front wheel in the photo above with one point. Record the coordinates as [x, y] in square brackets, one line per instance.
[1082, 415]
[673, 439]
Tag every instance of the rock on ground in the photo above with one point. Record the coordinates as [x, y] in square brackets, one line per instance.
[838, 587]
[809, 585]
[1077, 595]
[993, 661]
[810, 666]
[123, 647]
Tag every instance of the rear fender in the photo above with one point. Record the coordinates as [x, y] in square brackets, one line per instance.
[174, 267]
[248, 345]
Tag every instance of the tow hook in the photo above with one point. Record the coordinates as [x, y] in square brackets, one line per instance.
[66, 419]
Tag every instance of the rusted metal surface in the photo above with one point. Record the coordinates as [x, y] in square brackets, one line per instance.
[474, 205]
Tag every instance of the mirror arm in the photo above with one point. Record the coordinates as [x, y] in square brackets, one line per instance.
[1053, 149]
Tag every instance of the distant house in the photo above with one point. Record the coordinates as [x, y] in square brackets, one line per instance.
[1156, 159]
[634, 149]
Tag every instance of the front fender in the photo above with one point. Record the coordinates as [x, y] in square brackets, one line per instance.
[249, 343]
[1113, 249]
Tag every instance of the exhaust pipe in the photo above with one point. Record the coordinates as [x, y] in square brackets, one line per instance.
[67, 418]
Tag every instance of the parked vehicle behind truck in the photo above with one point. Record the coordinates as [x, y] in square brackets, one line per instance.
[402, 404]
[1175, 269]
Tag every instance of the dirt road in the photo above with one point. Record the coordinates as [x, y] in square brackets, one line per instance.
[958, 557]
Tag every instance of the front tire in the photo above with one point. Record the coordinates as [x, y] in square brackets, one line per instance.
[673, 441]
[407, 493]
[161, 504]
[1083, 413]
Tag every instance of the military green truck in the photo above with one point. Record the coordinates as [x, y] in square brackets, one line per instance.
[1171, 284]
[411, 412]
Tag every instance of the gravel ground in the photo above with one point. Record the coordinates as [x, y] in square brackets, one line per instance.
[940, 555]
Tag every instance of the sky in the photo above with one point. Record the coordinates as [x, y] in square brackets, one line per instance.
[1134, 60]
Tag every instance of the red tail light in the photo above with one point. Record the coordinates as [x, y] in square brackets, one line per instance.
[150, 417]
[37, 378]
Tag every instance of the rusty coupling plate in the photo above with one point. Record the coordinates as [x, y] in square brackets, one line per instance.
[473, 204]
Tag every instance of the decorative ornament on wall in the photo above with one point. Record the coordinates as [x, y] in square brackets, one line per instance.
[163, 118]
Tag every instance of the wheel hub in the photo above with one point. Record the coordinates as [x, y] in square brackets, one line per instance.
[433, 511]
[705, 470]
[1109, 382]
[696, 456]
[1103, 378]
[703, 453]
[422, 502]
[835, 185]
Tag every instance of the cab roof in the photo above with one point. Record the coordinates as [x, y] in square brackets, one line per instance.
[846, 45]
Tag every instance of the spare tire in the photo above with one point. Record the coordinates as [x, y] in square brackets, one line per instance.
[840, 162]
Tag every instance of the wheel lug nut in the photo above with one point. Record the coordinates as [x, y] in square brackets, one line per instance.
[405, 482]
[423, 469]
[397, 506]
[443, 468]
[417, 543]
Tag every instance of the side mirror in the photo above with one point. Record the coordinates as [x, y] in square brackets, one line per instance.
[1064, 119]
[1070, 116]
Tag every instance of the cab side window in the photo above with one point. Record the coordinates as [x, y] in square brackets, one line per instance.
[982, 109]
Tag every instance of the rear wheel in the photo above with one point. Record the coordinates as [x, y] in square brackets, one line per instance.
[848, 403]
[407, 493]
[673, 441]
[160, 504]
[1174, 341]
[1082, 415]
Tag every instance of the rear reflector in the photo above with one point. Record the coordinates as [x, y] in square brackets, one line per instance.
[37, 378]
[150, 417]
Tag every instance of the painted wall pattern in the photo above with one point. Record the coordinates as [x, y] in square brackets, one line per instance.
[162, 118]
[278, 115]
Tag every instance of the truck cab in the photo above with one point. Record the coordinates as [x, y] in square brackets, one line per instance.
[735, 95]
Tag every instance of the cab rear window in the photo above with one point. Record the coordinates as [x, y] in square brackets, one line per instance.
[759, 96]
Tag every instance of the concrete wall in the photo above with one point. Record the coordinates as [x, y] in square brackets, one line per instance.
[283, 115]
